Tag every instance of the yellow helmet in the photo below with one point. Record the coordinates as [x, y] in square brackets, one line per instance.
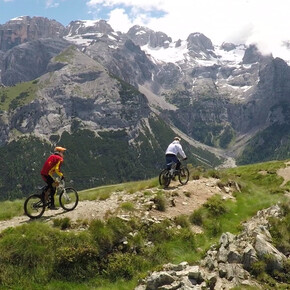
[59, 149]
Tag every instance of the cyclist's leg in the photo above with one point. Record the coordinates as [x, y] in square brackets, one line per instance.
[46, 190]
[169, 160]
[176, 160]
[178, 164]
[50, 188]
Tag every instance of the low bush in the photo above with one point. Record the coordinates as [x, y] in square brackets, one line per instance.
[215, 206]
[75, 263]
[182, 220]
[160, 202]
[127, 206]
[64, 223]
[123, 266]
[197, 217]
[102, 235]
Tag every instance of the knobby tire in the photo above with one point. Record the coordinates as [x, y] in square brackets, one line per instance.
[68, 199]
[34, 206]
[164, 178]
[184, 175]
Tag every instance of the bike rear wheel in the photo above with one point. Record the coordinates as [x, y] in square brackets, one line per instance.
[68, 198]
[183, 176]
[164, 178]
[34, 206]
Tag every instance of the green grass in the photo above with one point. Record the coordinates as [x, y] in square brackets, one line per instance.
[98, 258]
[18, 95]
[10, 209]
[66, 55]
[106, 190]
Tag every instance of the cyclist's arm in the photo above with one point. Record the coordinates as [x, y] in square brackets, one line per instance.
[181, 152]
[57, 169]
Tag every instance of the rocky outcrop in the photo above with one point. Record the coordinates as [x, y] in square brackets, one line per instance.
[199, 45]
[145, 36]
[25, 28]
[80, 27]
[29, 60]
[225, 265]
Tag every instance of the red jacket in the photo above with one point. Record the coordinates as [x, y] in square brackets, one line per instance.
[52, 165]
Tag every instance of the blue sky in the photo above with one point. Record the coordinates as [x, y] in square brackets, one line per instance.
[66, 11]
[265, 23]
[63, 11]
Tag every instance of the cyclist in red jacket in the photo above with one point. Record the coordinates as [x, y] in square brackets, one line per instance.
[51, 166]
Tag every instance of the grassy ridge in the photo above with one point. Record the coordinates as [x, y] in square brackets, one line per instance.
[40, 256]
[18, 95]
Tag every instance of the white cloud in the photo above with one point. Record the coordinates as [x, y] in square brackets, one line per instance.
[51, 4]
[120, 20]
[144, 4]
[265, 23]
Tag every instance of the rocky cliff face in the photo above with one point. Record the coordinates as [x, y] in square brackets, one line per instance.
[29, 60]
[25, 29]
[80, 89]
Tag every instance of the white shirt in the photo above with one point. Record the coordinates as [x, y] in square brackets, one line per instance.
[175, 148]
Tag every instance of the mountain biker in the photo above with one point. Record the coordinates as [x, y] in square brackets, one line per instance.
[51, 166]
[172, 151]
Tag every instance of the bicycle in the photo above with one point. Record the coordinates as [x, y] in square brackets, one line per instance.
[35, 204]
[166, 175]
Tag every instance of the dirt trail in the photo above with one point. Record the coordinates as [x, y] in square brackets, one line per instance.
[180, 200]
[184, 198]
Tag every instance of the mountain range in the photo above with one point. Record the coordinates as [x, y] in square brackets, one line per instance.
[116, 100]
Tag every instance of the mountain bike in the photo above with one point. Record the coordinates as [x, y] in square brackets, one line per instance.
[35, 204]
[166, 175]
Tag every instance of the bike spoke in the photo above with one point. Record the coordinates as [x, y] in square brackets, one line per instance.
[33, 206]
[164, 178]
[183, 175]
[68, 199]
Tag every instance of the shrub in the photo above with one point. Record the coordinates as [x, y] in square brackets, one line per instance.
[160, 202]
[280, 231]
[213, 173]
[271, 263]
[119, 229]
[75, 263]
[188, 238]
[195, 176]
[128, 206]
[196, 217]
[285, 206]
[64, 223]
[215, 206]
[156, 255]
[159, 232]
[214, 227]
[182, 220]
[102, 235]
[123, 266]
[258, 268]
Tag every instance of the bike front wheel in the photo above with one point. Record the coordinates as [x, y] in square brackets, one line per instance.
[34, 206]
[68, 198]
[184, 175]
[164, 178]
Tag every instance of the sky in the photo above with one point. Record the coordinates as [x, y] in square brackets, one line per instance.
[263, 22]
